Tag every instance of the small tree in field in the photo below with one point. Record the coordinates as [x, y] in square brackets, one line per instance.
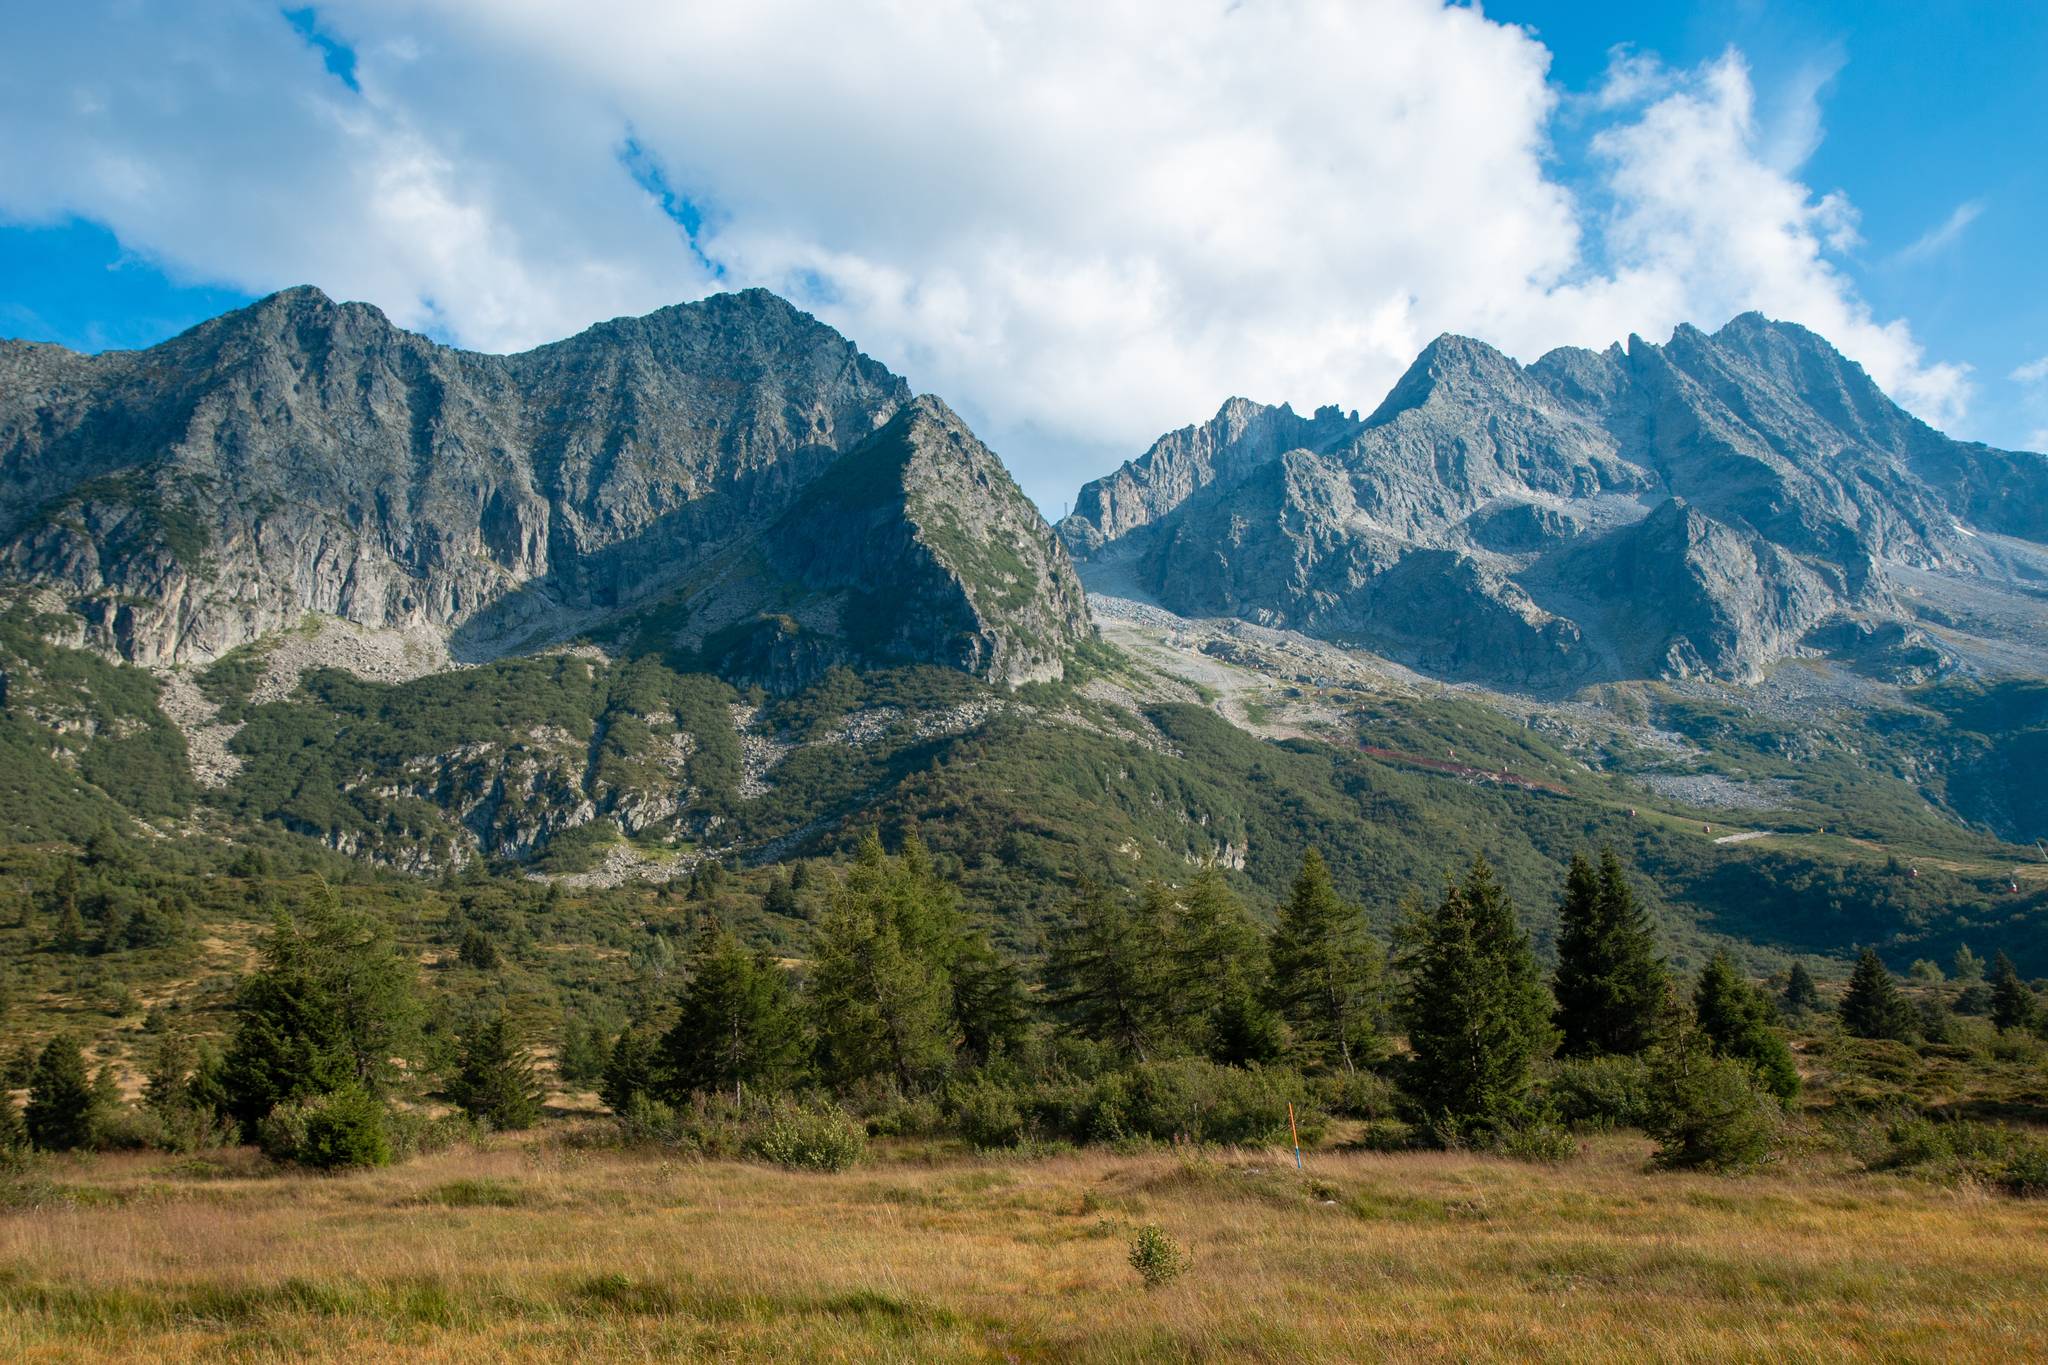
[738, 1025]
[60, 1099]
[494, 1078]
[1802, 996]
[1873, 1006]
[1610, 981]
[1104, 974]
[1735, 1022]
[2013, 1005]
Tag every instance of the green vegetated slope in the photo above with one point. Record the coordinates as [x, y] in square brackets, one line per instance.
[547, 762]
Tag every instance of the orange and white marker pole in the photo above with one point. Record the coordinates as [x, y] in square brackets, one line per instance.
[1294, 1133]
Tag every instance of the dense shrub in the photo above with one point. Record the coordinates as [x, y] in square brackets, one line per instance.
[987, 1115]
[1356, 1095]
[413, 1134]
[1604, 1092]
[1713, 1115]
[814, 1135]
[1959, 1149]
[332, 1132]
[810, 1137]
[1196, 1100]
[1538, 1140]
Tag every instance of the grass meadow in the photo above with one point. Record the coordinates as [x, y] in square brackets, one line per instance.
[546, 1250]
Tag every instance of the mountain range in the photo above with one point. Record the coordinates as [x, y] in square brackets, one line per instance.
[713, 584]
[1703, 508]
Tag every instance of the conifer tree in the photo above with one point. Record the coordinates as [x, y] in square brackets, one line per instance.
[1219, 975]
[494, 1077]
[1610, 981]
[68, 935]
[583, 1054]
[478, 950]
[331, 1007]
[168, 1087]
[628, 1071]
[61, 1100]
[1104, 972]
[781, 896]
[880, 989]
[1474, 1005]
[1802, 996]
[738, 1025]
[1736, 1021]
[13, 1132]
[2013, 1005]
[1873, 1006]
[1326, 970]
[1966, 966]
[989, 1008]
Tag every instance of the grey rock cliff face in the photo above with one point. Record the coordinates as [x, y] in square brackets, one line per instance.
[1242, 436]
[301, 455]
[916, 545]
[1696, 508]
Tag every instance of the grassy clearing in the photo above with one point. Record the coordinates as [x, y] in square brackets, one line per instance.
[535, 1250]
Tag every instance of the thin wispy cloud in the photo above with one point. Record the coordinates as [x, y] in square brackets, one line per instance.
[2034, 372]
[1943, 235]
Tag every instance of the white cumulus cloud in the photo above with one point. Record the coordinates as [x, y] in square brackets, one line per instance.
[1081, 222]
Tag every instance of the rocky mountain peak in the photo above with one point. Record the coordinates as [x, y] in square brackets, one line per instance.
[302, 455]
[1691, 508]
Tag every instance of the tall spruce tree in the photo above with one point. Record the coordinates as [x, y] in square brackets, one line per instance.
[1736, 1020]
[738, 1025]
[1327, 970]
[1104, 974]
[1873, 1006]
[61, 1100]
[2013, 1005]
[1474, 1005]
[1219, 975]
[494, 1076]
[1609, 983]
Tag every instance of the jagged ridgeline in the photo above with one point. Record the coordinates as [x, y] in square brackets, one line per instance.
[1703, 508]
[732, 473]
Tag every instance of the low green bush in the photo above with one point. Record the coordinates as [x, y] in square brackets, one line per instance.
[1962, 1150]
[1538, 1140]
[333, 1132]
[1158, 1259]
[810, 1137]
[1193, 1100]
[1602, 1093]
[1712, 1114]
[988, 1116]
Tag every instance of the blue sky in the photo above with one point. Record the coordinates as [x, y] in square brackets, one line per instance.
[1934, 122]
[1079, 228]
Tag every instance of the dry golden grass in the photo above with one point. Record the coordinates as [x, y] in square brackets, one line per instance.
[539, 1252]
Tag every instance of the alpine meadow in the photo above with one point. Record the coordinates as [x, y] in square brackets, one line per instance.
[530, 833]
